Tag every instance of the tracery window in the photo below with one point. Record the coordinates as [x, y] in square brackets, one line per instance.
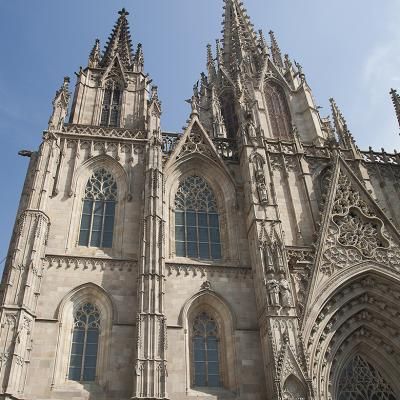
[97, 223]
[205, 350]
[197, 231]
[278, 111]
[85, 340]
[111, 107]
[361, 381]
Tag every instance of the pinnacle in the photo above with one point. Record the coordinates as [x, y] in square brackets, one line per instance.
[396, 103]
[275, 50]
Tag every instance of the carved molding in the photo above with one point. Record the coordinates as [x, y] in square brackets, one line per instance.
[87, 263]
[117, 133]
[192, 270]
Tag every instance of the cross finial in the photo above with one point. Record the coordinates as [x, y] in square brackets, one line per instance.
[123, 12]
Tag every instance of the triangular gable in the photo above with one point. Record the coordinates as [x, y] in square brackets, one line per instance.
[195, 141]
[115, 70]
[289, 365]
[271, 71]
[354, 229]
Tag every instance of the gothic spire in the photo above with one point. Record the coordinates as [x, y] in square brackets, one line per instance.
[239, 38]
[119, 42]
[94, 57]
[275, 50]
[396, 103]
[345, 137]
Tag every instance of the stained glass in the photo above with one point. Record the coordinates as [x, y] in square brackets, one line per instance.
[205, 351]
[197, 232]
[97, 223]
[85, 338]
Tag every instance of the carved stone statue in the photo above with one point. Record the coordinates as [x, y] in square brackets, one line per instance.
[273, 292]
[251, 130]
[286, 295]
[261, 187]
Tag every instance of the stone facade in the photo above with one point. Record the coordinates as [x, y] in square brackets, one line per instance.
[299, 279]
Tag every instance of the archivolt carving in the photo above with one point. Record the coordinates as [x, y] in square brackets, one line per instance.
[364, 312]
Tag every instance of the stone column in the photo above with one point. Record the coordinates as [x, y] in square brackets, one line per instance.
[151, 365]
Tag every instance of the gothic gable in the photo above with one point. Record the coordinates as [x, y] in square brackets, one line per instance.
[115, 71]
[354, 230]
[195, 141]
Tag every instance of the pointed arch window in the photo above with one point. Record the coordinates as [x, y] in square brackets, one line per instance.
[85, 343]
[197, 233]
[111, 107]
[361, 381]
[205, 351]
[98, 214]
[278, 111]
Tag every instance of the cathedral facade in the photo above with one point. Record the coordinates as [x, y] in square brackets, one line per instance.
[253, 256]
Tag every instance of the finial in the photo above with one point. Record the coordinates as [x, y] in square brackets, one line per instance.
[123, 12]
[396, 103]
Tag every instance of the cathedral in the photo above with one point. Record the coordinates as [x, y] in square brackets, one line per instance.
[253, 256]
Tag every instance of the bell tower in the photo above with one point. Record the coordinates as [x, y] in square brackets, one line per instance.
[111, 90]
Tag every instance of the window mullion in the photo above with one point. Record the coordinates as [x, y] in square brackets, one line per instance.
[83, 353]
[197, 235]
[91, 223]
[102, 223]
[206, 356]
[209, 235]
[111, 103]
[185, 233]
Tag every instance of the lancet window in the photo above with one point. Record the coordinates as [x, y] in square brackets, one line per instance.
[197, 233]
[111, 107]
[205, 351]
[278, 111]
[85, 341]
[361, 381]
[98, 213]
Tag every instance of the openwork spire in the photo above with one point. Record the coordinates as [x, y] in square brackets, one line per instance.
[396, 103]
[119, 42]
[239, 38]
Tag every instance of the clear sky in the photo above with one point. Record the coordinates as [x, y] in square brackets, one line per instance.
[349, 50]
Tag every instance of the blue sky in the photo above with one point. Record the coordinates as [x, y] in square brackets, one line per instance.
[349, 49]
